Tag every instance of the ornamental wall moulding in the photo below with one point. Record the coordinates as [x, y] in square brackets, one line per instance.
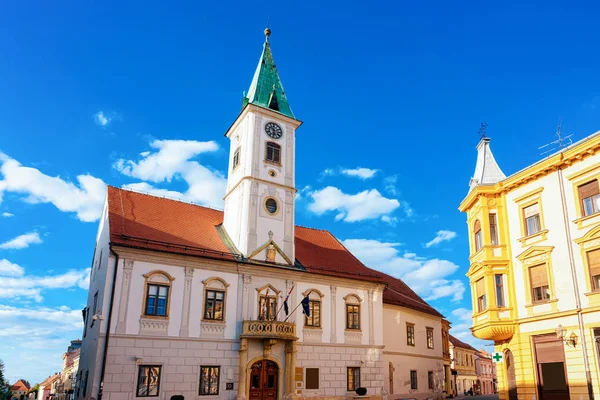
[592, 234]
[270, 287]
[215, 281]
[309, 291]
[535, 254]
[159, 272]
[349, 298]
[150, 326]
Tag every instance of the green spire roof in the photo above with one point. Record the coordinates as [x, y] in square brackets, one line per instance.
[266, 89]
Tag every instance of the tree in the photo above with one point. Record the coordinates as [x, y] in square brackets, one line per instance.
[4, 388]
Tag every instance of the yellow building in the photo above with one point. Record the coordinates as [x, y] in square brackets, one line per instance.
[535, 270]
[463, 365]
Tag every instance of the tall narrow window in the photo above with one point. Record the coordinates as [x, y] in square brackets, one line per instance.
[353, 378]
[414, 385]
[148, 381]
[95, 308]
[86, 312]
[481, 297]
[314, 319]
[499, 291]
[100, 261]
[430, 379]
[209, 380]
[540, 290]
[391, 374]
[410, 334]
[430, 338]
[156, 300]
[594, 267]
[532, 219]
[236, 159]
[273, 152]
[267, 308]
[352, 316]
[493, 230]
[589, 195]
[478, 235]
[213, 305]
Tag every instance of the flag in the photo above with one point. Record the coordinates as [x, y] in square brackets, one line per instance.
[264, 307]
[285, 303]
[305, 306]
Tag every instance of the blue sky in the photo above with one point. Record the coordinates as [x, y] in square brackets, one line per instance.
[96, 93]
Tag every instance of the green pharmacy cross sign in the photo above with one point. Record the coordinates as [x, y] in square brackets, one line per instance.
[497, 357]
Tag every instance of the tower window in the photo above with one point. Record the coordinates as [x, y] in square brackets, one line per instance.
[493, 230]
[236, 158]
[273, 153]
[478, 235]
[271, 206]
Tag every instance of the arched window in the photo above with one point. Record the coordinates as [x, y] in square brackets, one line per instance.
[215, 296]
[314, 305]
[236, 159]
[478, 235]
[273, 153]
[158, 293]
[352, 311]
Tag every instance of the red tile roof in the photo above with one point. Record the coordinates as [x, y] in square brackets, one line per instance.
[48, 381]
[155, 223]
[457, 343]
[20, 386]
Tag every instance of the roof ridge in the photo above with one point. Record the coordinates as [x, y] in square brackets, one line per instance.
[165, 198]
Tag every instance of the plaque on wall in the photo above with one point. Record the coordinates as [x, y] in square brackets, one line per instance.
[229, 386]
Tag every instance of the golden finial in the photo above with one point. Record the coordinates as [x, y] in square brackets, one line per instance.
[267, 33]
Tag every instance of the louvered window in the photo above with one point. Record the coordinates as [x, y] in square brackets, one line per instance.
[540, 290]
[594, 266]
[589, 195]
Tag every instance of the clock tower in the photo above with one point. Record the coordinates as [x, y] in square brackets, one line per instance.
[259, 201]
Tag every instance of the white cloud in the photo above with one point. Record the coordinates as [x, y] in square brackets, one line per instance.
[362, 173]
[172, 161]
[9, 269]
[103, 118]
[34, 339]
[16, 285]
[462, 321]
[86, 198]
[390, 184]
[441, 236]
[7, 214]
[22, 241]
[369, 204]
[430, 278]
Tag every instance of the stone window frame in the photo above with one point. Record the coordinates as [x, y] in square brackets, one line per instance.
[260, 295]
[410, 328]
[529, 199]
[316, 293]
[236, 159]
[148, 280]
[218, 368]
[429, 330]
[588, 243]
[356, 302]
[352, 370]
[137, 378]
[477, 235]
[275, 146]
[212, 284]
[534, 256]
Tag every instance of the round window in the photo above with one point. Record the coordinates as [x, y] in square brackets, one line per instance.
[271, 206]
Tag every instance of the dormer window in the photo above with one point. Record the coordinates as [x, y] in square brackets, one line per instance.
[478, 235]
[273, 153]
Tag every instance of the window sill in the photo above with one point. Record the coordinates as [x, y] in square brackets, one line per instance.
[213, 321]
[313, 334]
[586, 221]
[541, 303]
[272, 163]
[162, 317]
[535, 238]
[314, 328]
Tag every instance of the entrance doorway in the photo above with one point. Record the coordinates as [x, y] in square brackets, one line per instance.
[551, 368]
[510, 375]
[263, 380]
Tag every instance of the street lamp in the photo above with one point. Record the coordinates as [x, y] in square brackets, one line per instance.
[561, 334]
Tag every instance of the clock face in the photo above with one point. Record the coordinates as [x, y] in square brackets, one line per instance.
[273, 130]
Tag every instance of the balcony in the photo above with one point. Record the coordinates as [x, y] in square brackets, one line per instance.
[269, 330]
[493, 324]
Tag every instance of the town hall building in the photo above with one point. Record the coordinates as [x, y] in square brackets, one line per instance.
[240, 304]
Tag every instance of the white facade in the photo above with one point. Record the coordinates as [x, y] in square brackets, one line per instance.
[401, 357]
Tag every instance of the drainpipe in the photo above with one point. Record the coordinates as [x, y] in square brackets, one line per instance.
[112, 298]
[567, 223]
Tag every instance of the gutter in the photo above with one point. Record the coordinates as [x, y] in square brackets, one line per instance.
[586, 360]
[110, 309]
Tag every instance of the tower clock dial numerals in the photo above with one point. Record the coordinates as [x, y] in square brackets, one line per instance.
[273, 130]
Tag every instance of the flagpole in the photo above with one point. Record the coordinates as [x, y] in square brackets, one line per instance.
[286, 297]
[299, 304]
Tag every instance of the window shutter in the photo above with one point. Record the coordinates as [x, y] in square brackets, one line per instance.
[477, 226]
[480, 287]
[539, 276]
[594, 262]
[531, 210]
[589, 189]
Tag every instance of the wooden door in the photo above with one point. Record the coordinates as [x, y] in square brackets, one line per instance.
[551, 368]
[264, 375]
[510, 375]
